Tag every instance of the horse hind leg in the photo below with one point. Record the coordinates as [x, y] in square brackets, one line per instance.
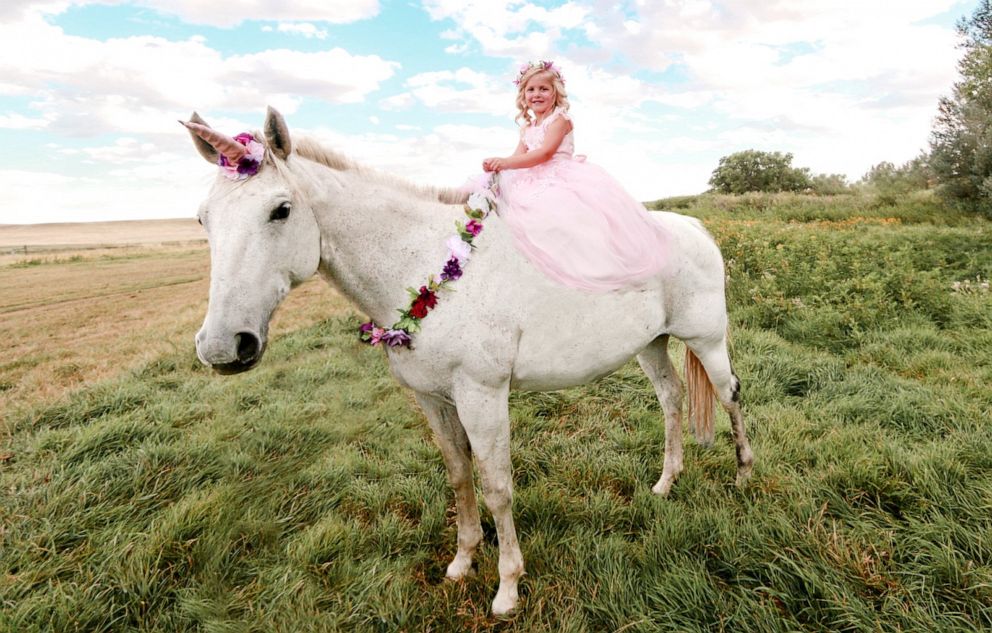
[714, 360]
[655, 362]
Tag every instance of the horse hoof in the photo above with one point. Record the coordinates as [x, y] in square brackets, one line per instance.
[504, 604]
[662, 488]
[459, 569]
[743, 475]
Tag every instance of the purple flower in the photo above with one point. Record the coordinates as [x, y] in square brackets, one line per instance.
[396, 338]
[474, 227]
[248, 166]
[452, 270]
[366, 327]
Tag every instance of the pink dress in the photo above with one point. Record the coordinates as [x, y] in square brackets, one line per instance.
[575, 222]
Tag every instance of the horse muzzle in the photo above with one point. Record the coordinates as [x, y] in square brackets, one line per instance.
[230, 355]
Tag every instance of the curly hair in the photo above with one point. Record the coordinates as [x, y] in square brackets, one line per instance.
[561, 97]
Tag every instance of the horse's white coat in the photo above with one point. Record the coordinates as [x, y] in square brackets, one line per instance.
[506, 326]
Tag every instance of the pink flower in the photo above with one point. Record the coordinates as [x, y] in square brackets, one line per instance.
[474, 227]
[377, 334]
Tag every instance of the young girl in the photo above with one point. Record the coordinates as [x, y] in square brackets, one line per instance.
[569, 217]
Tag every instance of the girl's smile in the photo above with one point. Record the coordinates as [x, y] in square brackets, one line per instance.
[540, 95]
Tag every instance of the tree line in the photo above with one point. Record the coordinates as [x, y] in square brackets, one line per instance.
[958, 164]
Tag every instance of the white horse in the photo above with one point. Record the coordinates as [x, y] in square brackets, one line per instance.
[507, 327]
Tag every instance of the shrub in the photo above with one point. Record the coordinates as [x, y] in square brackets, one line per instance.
[753, 170]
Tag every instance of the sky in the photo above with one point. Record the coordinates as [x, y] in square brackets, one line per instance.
[91, 90]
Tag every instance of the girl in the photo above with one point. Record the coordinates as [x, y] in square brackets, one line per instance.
[569, 217]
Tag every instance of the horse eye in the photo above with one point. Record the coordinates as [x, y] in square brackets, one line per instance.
[280, 213]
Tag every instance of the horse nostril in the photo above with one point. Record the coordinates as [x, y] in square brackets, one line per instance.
[248, 345]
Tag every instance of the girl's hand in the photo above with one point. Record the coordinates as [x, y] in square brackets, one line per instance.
[493, 164]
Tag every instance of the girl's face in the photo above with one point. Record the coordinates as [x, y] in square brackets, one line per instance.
[539, 93]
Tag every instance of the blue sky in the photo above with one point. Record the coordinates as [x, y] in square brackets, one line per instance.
[90, 90]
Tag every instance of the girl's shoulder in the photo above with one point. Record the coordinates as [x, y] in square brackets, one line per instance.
[557, 113]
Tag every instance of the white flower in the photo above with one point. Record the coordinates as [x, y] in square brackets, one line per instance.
[458, 248]
[256, 151]
[478, 202]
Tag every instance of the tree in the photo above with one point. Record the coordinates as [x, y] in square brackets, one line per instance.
[961, 140]
[830, 184]
[887, 178]
[752, 170]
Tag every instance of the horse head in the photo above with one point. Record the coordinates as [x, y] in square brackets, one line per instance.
[263, 237]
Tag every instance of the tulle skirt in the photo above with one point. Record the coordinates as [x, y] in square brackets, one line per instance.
[580, 226]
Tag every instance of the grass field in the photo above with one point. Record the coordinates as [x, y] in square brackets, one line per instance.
[140, 492]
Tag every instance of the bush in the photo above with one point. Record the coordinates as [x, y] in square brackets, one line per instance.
[830, 184]
[752, 170]
[887, 179]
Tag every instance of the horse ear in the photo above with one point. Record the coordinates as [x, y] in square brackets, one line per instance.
[206, 150]
[277, 134]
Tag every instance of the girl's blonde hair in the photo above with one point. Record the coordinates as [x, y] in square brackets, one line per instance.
[561, 97]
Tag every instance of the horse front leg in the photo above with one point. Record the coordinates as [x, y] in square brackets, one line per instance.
[485, 416]
[451, 439]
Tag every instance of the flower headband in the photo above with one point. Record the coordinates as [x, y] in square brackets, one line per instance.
[238, 157]
[542, 65]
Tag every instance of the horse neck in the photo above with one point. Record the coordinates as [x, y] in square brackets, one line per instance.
[377, 237]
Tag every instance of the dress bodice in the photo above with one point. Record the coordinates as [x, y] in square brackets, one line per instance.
[533, 135]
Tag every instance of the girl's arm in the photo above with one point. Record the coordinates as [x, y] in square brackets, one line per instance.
[521, 149]
[553, 137]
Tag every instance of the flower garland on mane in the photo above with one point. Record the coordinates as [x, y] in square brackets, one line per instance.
[424, 299]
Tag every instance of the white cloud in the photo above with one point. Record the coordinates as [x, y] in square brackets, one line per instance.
[402, 101]
[223, 14]
[232, 12]
[461, 90]
[17, 121]
[306, 29]
[502, 27]
[167, 189]
[140, 84]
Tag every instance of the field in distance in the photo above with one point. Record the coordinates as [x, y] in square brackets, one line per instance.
[37, 237]
[90, 300]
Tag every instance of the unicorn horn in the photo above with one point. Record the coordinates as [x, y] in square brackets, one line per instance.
[233, 150]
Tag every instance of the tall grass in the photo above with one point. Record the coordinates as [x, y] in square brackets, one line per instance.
[307, 495]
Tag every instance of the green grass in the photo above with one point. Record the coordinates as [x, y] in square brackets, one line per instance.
[307, 495]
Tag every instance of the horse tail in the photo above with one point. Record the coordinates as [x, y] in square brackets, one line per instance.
[701, 397]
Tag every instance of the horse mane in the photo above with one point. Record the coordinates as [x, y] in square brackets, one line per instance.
[310, 149]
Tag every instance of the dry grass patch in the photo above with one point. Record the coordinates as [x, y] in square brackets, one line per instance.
[77, 317]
